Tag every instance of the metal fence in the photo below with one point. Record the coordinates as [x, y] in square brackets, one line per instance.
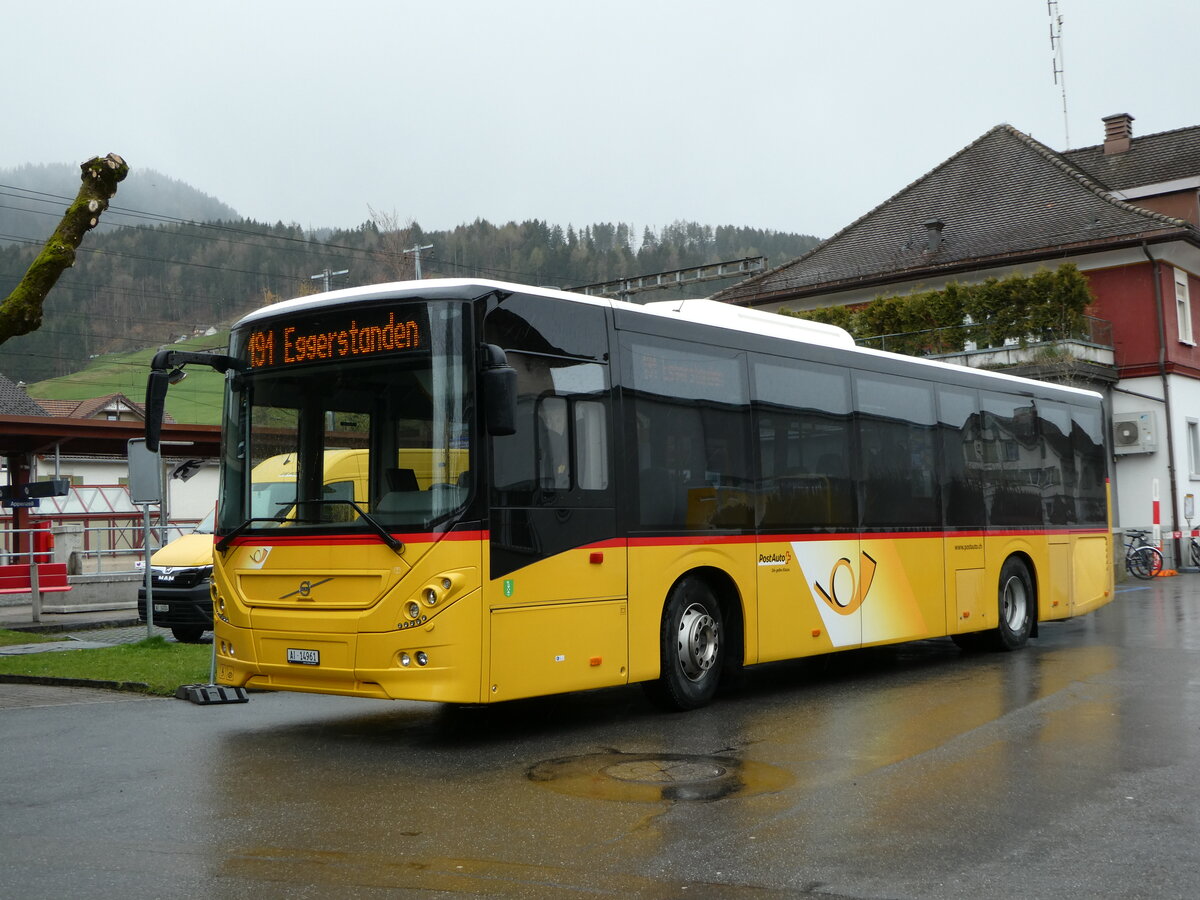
[91, 545]
[965, 337]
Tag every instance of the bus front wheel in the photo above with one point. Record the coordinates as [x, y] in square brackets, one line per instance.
[1017, 603]
[692, 650]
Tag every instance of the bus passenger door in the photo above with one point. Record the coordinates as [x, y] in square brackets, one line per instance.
[964, 470]
[555, 598]
[556, 595]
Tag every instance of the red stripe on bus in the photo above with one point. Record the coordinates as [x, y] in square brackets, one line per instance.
[326, 540]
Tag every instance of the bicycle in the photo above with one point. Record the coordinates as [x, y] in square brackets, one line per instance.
[1195, 549]
[1142, 560]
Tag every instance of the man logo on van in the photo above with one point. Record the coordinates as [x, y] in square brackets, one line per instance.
[848, 604]
[305, 588]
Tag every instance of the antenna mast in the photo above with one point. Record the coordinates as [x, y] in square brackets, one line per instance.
[1060, 78]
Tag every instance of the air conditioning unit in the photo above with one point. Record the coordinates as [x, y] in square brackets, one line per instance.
[1134, 432]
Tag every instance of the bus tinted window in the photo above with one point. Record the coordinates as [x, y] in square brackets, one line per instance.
[546, 325]
[690, 414]
[536, 466]
[961, 462]
[1013, 458]
[804, 431]
[898, 479]
[1058, 477]
[1091, 463]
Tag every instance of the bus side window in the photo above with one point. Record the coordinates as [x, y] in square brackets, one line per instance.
[804, 430]
[591, 445]
[898, 475]
[553, 444]
[560, 448]
[1015, 454]
[1087, 442]
[690, 406]
[961, 460]
[1057, 477]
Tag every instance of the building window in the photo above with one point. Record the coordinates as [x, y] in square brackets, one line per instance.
[1183, 307]
[1193, 444]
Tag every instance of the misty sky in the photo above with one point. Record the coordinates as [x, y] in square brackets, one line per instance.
[797, 116]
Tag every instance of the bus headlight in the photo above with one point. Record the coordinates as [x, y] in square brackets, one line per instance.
[430, 596]
[414, 609]
[405, 660]
[422, 659]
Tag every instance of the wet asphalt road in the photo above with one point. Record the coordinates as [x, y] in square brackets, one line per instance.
[1068, 769]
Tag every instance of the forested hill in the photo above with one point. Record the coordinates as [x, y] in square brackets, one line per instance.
[150, 285]
[34, 197]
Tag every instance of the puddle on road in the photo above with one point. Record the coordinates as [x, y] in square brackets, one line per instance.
[658, 777]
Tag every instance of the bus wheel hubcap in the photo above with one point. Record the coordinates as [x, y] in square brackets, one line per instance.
[697, 641]
[1014, 603]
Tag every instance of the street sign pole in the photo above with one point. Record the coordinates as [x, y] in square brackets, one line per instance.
[145, 488]
[149, 581]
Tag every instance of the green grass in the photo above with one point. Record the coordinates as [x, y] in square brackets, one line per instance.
[194, 401]
[161, 666]
[12, 638]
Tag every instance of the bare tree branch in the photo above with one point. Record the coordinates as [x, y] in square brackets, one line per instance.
[21, 311]
[394, 240]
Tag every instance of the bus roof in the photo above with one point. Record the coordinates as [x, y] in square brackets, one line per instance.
[699, 311]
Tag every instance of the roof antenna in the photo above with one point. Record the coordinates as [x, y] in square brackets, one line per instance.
[1060, 77]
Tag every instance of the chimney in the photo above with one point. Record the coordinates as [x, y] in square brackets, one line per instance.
[933, 234]
[1118, 133]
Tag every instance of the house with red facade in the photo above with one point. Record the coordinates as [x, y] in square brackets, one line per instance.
[1125, 212]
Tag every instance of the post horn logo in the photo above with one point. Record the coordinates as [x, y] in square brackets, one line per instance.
[859, 587]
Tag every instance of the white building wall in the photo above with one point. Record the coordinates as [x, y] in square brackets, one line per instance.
[1139, 474]
[186, 500]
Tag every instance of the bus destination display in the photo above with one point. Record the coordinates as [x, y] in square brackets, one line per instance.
[343, 335]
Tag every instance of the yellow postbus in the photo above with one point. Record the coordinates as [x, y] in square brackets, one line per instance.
[555, 492]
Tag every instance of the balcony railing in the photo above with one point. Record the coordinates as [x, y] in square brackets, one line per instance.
[1089, 342]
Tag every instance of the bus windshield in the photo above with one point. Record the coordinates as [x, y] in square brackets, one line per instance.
[317, 443]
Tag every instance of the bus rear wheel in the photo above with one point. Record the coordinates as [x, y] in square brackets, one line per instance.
[1016, 602]
[692, 651]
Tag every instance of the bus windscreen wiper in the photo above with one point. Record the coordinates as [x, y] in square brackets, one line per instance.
[384, 535]
[224, 541]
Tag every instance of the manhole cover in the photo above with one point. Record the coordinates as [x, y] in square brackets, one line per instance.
[654, 778]
[664, 771]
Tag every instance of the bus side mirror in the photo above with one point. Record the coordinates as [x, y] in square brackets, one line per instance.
[498, 382]
[156, 402]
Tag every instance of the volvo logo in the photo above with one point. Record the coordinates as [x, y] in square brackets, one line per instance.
[306, 588]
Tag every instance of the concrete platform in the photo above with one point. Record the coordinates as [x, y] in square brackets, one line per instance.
[19, 617]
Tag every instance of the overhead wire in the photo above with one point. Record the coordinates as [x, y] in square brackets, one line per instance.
[365, 253]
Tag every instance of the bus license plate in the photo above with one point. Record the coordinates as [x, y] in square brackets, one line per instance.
[304, 657]
[162, 607]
